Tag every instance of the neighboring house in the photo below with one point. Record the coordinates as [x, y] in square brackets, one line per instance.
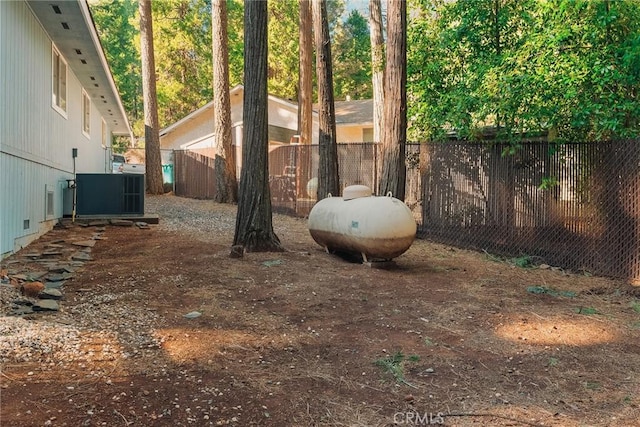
[354, 121]
[195, 131]
[58, 98]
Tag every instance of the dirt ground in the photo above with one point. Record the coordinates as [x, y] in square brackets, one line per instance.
[304, 338]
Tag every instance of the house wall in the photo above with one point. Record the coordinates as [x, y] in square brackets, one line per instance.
[197, 132]
[193, 129]
[351, 133]
[35, 140]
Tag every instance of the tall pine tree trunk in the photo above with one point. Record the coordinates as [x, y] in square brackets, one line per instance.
[254, 227]
[153, 159]
[305, 81]
[225, 165]
[328, 179]
[394, 137]
[305, 101]
[377, 67]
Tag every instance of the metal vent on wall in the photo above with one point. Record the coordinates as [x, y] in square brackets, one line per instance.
[50, 205]
[132, 196]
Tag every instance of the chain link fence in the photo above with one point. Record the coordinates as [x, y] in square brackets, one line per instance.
[573, 205]
[576, 206]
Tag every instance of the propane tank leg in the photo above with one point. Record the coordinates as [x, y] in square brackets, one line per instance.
[364, 258]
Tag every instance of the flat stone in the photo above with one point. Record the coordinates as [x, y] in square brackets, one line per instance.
[55, 277]
[32, 255]
[70, 269]
[46, 305]
[50, 294]
[57, 268]
[21, 311]
[85, 243]
[55, 246]
[51, 253]
[20, 277]
[35, 275]
[53, 285]
[76, 263]
[142, 225]
[193, 315]
[81, 256]
[122, 222]
[99, 223]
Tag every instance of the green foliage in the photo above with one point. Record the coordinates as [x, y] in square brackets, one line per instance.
[586, 310]
[283, 49]
[352, 60]
[550, 291]
[524, 261]
[592, 385]
[120, 144]
[183, 51]
[118, 29]
[183, 56]
[570, 68]
[547, 183]
[394, 365]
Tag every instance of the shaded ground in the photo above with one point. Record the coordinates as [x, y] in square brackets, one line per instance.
[303, 338]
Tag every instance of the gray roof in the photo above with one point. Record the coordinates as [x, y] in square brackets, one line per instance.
[354, 112]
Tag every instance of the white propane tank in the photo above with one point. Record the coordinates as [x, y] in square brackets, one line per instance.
[374, 227]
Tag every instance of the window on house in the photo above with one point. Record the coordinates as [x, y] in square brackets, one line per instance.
[59, 83]
[367, 135]
[86, 113]
[104, 134]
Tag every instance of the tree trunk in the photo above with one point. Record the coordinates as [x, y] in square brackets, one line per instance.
[377, 67]
[305, 93]
[394, 136]
[306, 72]
[225, 165]
[328, 179]
[153, 160]
[254, 227]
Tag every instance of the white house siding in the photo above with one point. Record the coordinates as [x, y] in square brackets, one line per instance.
[36, 142]
[194, 128]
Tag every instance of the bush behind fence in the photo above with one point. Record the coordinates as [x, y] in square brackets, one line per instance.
[573, 205]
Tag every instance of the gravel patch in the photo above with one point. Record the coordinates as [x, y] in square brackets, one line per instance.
[205, 220]
[197, 218]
